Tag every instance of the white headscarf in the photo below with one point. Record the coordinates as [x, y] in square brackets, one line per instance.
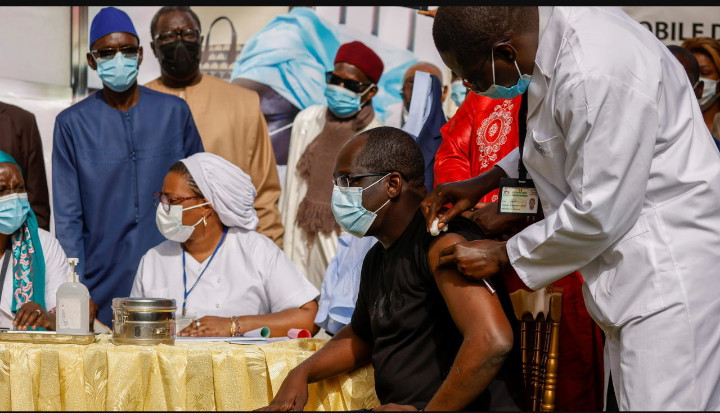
[227, 187]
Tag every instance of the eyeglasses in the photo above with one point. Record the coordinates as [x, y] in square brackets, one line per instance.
[349, 84]
[474, 86]
[166, 201]
[189, 35]
[343, 181]
[7, 191]
[108, 53]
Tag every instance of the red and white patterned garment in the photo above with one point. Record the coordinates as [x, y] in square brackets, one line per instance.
[481, 132]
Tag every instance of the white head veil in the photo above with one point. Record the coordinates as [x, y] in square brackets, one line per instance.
[227, 187]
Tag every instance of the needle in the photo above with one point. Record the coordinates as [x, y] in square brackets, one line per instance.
[492, 291]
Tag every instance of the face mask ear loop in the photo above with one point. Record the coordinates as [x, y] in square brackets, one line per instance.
[196, 206]
[377, 181]
[363, 94]
[382, 206]
[367, 90]
[518, 68]
[199, 221]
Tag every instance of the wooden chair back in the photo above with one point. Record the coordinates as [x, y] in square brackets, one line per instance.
[539, 316]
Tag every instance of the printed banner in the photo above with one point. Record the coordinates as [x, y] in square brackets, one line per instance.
[674, 24]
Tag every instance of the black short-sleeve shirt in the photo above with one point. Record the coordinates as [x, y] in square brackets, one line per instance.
[401, 312]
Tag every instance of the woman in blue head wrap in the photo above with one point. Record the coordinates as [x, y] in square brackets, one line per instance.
[32, 265]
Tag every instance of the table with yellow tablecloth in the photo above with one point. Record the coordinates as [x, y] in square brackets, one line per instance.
[202, 375]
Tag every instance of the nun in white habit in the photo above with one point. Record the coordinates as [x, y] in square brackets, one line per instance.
[228, 277]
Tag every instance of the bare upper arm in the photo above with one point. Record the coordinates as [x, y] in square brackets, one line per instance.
[474, 309]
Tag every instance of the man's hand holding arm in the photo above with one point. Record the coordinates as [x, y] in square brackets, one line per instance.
[344, 352]
[474, 259]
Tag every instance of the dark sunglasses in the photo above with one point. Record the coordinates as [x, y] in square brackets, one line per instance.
[109, 52]
[349, 84]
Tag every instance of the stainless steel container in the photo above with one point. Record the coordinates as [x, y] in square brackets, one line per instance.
[143, 320]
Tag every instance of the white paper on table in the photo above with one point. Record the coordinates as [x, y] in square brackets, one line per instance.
[256, 340]
[259, 333]
[27, 332]
[179, 338]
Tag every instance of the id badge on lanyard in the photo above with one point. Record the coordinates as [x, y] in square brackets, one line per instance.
[519, 196]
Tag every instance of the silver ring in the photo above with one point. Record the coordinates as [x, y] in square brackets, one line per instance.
[197, 323]
[38, 311]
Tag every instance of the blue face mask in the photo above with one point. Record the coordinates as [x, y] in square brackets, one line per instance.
[501, 92]
[346, 204]
[13, 212]
[342, 102]
[458, 92]
[118, 73]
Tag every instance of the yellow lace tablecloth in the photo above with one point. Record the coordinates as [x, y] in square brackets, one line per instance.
[185, 376]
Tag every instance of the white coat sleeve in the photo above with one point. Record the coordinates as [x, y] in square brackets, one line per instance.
[509, 163]
[285, 286]
[609, 133]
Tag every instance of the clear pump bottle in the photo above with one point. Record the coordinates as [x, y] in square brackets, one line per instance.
[73, 305]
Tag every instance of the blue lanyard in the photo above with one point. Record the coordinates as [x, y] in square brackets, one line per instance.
[187, 293]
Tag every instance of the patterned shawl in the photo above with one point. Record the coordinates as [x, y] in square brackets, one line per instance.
[28, 260]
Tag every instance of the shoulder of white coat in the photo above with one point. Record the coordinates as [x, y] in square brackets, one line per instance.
[252, 240]
[258, 247]
[163, 250]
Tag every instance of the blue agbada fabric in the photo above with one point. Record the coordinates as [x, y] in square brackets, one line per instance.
[29, 262]
[292, 53]
[341, 282]
[106, 164]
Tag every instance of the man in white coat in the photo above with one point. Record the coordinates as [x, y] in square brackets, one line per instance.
[629, 182]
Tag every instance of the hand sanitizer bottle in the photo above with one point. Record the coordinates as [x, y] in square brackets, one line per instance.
[73, 305]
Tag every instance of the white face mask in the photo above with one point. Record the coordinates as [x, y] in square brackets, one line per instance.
[170, 223]
[708, 95]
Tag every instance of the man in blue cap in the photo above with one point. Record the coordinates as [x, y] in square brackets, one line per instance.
[111, 151]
